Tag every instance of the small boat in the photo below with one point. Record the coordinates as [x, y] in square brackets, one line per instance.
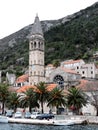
[3, 119]
[62, 123]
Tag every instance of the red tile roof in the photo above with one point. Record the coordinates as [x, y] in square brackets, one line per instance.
[49, 65]
[87, 86]
[24, 88]
[72, 61]
[22, 78]
[51, 86]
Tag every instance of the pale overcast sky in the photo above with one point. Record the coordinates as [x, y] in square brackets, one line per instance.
[16, 14]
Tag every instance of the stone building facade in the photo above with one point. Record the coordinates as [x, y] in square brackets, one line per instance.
[86, 70]
[36, 54]
[64, 77]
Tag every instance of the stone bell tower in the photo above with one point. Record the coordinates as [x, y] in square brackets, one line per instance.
[36, 54]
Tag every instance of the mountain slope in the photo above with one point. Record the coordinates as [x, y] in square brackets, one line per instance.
[77, 38]
[74, 36]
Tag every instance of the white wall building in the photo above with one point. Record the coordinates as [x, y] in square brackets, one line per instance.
[85, 70]
[10, 78]
[48, 70]
[72, 64]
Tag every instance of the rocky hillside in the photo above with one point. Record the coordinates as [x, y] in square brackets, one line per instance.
[74, 36]
[23, 34]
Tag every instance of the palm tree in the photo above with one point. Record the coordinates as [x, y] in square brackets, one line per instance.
[42, 94]
[4, 93]
[28, 99]
[13, 101]
[56, 98]
[76, 99]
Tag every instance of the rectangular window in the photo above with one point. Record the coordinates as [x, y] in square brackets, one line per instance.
[77, 67]
[91, 72]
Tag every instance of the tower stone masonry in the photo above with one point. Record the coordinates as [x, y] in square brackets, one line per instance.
[36, 54]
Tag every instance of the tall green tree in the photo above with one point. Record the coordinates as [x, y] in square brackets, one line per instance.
[13, 101]
[42, 94]
[4, 93]
[56, 98]
[76, 99]
[56, 63]
[29, 99]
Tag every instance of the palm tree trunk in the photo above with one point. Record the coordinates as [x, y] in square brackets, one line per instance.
[15, 108]
[3, 107]
[57, 112]
[97, 111]
[30, 109]
[42, 107]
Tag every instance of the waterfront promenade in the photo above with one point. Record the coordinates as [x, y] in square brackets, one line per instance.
[76, 119]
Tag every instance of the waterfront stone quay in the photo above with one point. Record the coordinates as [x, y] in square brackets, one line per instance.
[61, 118]
[30, 121]
[76, 119]
[92, 119]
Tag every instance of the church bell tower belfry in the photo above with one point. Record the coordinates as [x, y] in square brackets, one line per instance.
[36, 54]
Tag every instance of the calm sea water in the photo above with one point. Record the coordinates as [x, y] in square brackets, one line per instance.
[46, 127]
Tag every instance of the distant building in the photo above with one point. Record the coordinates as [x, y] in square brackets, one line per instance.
[48, 70]
[88, 71]
[72, 64]
[22, 81]
[91, 90]
[10, 78]
[85, 70]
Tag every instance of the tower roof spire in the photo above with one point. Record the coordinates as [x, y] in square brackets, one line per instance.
[37, 29]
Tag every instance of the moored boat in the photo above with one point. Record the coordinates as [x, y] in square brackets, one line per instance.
[3, 119]
[62, 123]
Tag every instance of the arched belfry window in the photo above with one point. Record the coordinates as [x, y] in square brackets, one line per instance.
[42, 46]
[38, 45]
[31, 45]
[58, 79]
[34, 45]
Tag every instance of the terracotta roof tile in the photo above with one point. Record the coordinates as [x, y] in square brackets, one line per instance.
[22, 78]
[72, 61]
[24, 88]
[51, 86]
[50, 65]
[87, 86]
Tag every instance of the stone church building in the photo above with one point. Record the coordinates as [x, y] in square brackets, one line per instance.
[37, 71]
[61, 76]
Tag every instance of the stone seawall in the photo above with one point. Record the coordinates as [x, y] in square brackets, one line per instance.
[64, 118]
[89, 119]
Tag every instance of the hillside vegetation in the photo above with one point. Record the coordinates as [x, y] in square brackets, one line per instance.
[76, 38]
